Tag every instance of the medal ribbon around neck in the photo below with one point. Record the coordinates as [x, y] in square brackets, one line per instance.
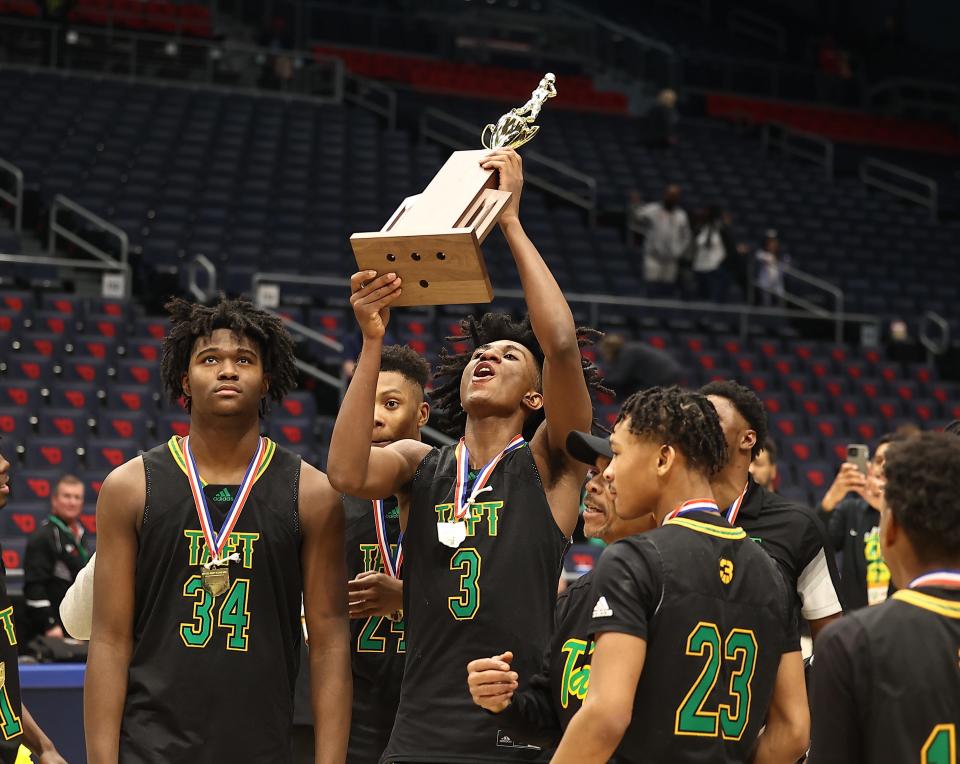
[949, 579]
[464, 502]
[217, 541]
[694, 505]
[734, 509]
[391, 563]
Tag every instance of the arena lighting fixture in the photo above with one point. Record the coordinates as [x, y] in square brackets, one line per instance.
[216, 54]
[171, 49]
[72, 37]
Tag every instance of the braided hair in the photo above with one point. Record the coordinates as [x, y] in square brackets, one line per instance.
[491, 327]
[685, 420]
[190, 321]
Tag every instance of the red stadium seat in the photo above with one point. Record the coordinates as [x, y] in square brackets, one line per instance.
[51, 453]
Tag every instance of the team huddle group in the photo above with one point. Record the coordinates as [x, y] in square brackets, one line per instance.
[427, 577]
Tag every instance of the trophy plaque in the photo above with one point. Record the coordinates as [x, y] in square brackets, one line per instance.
[433, 239]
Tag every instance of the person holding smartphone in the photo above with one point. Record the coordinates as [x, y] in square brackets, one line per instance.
[850, 510]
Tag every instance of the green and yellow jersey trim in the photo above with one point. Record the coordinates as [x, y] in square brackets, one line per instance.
[710, 530]
[938, 605]
[176, 450]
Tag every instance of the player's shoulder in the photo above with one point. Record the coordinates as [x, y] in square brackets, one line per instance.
[129, 476]
[576, 590]
[789, 511]
[630, 553]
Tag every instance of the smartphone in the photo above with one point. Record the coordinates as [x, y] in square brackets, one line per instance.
[859, 454]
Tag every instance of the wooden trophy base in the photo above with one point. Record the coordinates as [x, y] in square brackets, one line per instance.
[433, 239]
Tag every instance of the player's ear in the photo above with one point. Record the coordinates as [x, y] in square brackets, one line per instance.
[665, 459]
[185, 384]
[424, 415]
[890, 530]
[265, 386]
[533, 400]
[748, 440]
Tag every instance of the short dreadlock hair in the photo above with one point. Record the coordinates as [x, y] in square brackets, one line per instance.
[923, 492]
[406, 362]
[747, 404]
[685, 420]
[491, 327]
[190, 321]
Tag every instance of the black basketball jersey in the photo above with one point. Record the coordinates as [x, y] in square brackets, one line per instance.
[713, 610]
[11, 725]
[211, 679]
[541, 712]
[377, 643]
[494, 592]
[886, 682]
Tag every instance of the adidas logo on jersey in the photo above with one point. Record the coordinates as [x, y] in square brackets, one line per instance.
[394, 513]
[223, 496]
[602, 609]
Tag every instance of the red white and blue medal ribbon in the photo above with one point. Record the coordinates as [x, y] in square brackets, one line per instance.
[733, 510]
[452, 534]
[216, 541]
[949, 579]
[391, 562]
[694, 505]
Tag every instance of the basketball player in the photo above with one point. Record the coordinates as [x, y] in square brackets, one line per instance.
[694, 642]
[886, 689]
[488, 520]
[540, 713]
[789, 533]
[205, 545]
[17, 727]
[375, 559]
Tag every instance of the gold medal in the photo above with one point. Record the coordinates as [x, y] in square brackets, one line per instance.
[215, 580]
[396, 616]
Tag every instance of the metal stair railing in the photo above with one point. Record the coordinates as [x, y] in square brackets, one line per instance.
[371, 95]
[540, 171]
[812, 148]
[902, 183]
[14, 198]
[935, 346]
[812, 308]
[104, 260]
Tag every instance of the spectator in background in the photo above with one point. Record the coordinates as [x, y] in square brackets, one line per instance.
[713, 245]
[764, 467]
[666, 230]
[850, 510]
[632, 366]
[769, 273]
[56, 552]
[659, 124]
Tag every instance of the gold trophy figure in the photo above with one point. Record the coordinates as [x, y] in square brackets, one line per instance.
[432, 241]
[516, 127]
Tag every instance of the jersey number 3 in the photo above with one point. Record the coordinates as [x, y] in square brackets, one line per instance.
[941, 746]
[730, 719]
[233, 616]
[465, 606]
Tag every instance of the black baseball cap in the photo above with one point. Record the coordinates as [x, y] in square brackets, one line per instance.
[585, 447]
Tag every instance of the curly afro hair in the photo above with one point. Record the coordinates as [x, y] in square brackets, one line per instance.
[685, 420]
[190, 321]
[747, 404]
[923, 492]
[406, 362]
[491, 327]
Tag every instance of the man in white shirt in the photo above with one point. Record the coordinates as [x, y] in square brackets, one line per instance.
[667, 238]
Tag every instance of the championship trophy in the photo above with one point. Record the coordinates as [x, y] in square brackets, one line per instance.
[433, 239]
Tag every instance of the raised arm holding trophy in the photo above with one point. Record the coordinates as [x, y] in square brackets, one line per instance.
[433, 239]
